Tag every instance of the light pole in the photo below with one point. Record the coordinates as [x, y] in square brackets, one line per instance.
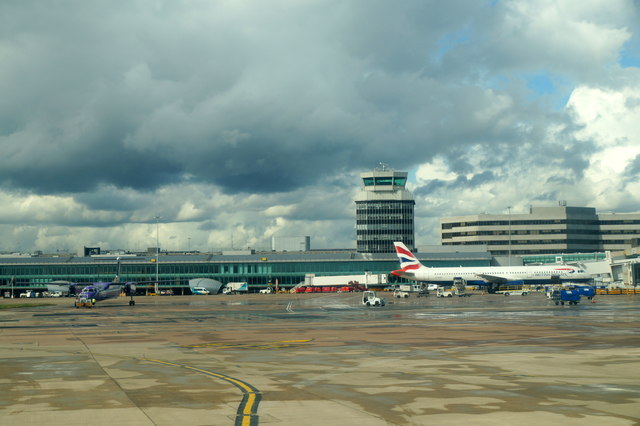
[155, 286]
[509, 208]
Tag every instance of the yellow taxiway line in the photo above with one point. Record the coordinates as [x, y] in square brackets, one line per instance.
[247, 413]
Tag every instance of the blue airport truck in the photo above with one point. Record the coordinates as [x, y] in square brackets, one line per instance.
[562, 296]
[586, 291]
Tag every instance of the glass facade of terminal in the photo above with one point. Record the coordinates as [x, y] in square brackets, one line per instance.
[569, 257]
[175, 271]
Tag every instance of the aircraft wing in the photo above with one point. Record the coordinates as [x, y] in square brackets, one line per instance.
[65, 287]
[497, 279]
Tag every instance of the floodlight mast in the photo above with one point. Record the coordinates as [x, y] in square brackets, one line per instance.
[155, 287]
[509, 235]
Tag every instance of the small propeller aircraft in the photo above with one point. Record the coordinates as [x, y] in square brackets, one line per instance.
[96, 292]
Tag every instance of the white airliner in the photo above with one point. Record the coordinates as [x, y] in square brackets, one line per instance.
[412, 269]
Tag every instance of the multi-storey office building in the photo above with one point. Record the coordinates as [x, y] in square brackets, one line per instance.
[384, 212]
[174, 271]
[544, 230]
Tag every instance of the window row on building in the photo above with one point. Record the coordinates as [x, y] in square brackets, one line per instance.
[559, 242]
[516, 232]
[514, 223]
[373, 219]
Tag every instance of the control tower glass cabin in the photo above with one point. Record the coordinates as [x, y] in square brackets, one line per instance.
[384, 212]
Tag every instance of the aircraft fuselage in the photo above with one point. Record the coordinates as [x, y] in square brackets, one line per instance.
[486, 275]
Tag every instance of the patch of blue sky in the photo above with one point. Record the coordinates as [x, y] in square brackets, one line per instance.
[540, 83]
[553, 87]
[449, 41]
[630, 54]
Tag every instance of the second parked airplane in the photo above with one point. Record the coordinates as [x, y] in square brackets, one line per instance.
[493, 276]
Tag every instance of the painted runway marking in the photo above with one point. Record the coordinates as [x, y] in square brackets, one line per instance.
[247, 414]
[269, 345]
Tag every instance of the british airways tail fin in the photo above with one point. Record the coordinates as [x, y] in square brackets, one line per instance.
[408, 262]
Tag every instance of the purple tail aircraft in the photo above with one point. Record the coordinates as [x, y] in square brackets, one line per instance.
[108, 290]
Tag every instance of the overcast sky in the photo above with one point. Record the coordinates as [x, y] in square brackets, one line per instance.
[237, 120]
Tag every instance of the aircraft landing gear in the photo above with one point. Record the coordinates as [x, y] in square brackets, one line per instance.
[132, 302]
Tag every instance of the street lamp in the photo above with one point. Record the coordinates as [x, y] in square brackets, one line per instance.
[155, 286]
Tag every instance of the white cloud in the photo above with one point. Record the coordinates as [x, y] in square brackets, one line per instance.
[611, 117]
[436, 169]
[570, 37]
[611, 120]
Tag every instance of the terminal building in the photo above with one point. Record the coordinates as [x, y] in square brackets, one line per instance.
[384, 212]
[544, 230]
[259, 269]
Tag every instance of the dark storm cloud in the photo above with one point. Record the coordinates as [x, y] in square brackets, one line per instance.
[109, 199]
[208, 226]
[460, 183]
[148, 95]
[632, 171]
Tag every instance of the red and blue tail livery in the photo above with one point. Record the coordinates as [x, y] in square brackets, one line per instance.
[408, 262]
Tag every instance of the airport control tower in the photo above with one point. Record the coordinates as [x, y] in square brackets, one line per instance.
[384, 211]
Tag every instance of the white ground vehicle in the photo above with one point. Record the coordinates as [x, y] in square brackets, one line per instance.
[233, 288]
[458, 291]
[199, 290]
[369, 298]
[406, 290]
[444, 292]
[267, 290]
[515, 292]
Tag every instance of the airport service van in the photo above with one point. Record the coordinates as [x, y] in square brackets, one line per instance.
[235, 288]
[199, 290]
[458, 291]
[405, 290]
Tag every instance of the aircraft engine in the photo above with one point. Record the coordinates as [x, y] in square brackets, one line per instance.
[130, 289]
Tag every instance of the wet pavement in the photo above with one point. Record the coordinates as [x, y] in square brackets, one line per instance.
[317, 359]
